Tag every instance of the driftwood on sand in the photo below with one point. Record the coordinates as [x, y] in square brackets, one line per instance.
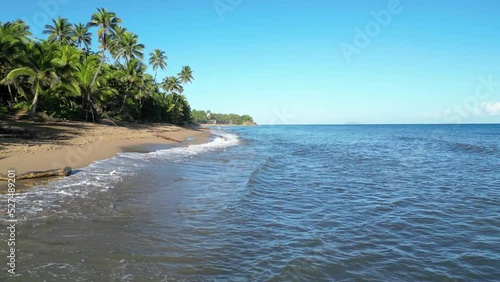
[167, 138]
[39, 174]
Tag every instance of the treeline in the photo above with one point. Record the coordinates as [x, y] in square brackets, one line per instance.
[63, 77]
[209, 117]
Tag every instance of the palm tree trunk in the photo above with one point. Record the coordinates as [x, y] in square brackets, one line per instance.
[89, 101]
[124, 101]
[32, 111]
[91, 107]
[98, 69]
[10, 92]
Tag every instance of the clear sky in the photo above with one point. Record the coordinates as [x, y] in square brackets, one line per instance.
[316, 61]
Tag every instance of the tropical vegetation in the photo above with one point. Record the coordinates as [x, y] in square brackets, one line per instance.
[217, 118]
[63, 77]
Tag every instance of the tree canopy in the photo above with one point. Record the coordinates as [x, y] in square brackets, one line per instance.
[63, 77]
[217, 118]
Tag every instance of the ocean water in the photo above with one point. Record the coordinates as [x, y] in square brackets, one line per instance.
[275, 203]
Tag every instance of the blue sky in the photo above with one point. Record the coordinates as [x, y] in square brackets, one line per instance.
[317, 61]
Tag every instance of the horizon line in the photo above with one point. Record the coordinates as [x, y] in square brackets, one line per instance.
[481, 123]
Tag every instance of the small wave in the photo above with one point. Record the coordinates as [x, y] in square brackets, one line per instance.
[102, 175]
[254, 178]
[412, 139]
[222, 140]
[464, 147]
[453, 146]
[299, 269]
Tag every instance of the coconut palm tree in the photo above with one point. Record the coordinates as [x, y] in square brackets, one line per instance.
[13, 37]
[13, 40]
[157, 59]
[172, 84]
[83, 73]
[131, 75]
[126, 46]
[17, 29]
[82, 36]
[68, 56]
[186, 75]
[106, 21]
[40, 68]
[61, 31]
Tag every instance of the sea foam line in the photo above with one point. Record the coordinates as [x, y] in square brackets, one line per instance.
[101, 175]
[222, 140]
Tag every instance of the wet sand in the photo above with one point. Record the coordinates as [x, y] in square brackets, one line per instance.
[28, 146]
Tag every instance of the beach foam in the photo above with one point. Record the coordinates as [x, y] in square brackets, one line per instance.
[222, 140]
[102, 175]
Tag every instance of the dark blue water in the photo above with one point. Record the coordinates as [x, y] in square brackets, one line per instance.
[284, 203]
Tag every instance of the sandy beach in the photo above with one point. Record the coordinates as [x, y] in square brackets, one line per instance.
[29, 146]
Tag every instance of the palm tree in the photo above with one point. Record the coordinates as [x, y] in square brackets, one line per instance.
[82, 36]
[126, 46]
[172, 84]
[18, 29]
[186, 75]
[83, 73]
[68, 56]
[158, 59]
[13, 37]
[106, 21]
[40, 68]
[61, 31]
[131, 75]
[177, 107]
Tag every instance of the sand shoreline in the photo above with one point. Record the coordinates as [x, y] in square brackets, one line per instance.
[32, 146]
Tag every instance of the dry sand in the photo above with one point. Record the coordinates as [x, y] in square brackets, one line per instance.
[29, 146]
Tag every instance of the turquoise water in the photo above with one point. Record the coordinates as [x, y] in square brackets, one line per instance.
[277, 203]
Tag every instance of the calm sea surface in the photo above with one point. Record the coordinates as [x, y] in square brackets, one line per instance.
[275, 203]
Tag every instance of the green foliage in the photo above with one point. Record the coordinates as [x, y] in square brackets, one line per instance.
[60, 30]
[4, 109]
[157, 59]
[64, 78]
[19, 107]
[208, 117]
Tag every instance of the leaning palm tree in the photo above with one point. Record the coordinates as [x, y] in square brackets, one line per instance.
[40, 68]
[186, 75]
[61, 31]
[126, 47]
[158, 59]
[82, 36]
[106, 21]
